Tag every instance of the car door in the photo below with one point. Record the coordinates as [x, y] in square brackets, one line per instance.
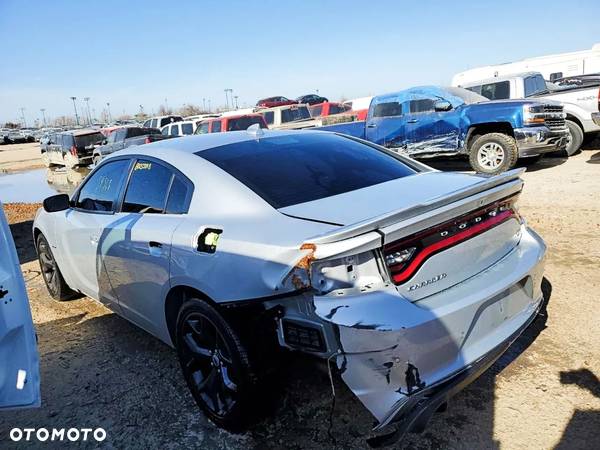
[138, 263]
[429, 130]
[385, 124]
[19, 360]
[119, 142]
[84, 235]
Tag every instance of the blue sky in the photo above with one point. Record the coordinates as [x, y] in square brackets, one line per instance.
[141, 52]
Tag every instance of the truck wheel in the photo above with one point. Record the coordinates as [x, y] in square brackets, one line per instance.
[215, 365]
[493, 153]
[56, 284]
[575, 138]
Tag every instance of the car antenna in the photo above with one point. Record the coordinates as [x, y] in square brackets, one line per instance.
[255, 130]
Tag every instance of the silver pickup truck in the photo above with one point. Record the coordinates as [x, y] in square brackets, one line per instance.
[581, 103]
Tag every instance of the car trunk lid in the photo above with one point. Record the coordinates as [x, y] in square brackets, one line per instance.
[436, 229]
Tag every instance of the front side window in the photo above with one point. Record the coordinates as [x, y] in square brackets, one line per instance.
[216, 127]
[202, 128]
[101, 191]
[242, 123]
[154, 123]
[421, 105]
[165, 131]
[315, 111]
[174, 130]
[187, 128]
[534, 85]
[147, 189]
[269, 117]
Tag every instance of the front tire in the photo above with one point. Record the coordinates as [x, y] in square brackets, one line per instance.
[493, 153]
[55, 283]
[215, 365]
[575, 138]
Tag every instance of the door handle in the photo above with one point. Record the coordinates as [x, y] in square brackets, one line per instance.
[154, 244]
[371, 125]
[412, 121]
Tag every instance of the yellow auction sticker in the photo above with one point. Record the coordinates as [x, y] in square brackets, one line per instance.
[143, 166]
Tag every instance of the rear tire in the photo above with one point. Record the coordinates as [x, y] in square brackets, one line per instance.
[215, 365]
[55, 283]
[575, 138]
[493, 153]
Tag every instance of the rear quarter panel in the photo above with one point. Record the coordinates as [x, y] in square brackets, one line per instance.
[356, 129]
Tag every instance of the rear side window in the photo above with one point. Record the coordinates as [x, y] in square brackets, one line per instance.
[174, 130]
[101, 191]
[216, 126]
[388, 109]
[147, 189]
[178, 201]
[243, 123]
[495, 91]
[288, 170]
[187, 128]
[293, 114]
[154, 123]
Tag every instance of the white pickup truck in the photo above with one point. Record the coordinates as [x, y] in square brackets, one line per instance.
[289, 117]
[581, 104]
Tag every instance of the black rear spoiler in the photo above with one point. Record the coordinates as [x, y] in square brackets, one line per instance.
[511, 179]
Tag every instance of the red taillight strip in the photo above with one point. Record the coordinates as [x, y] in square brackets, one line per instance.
[449, 242]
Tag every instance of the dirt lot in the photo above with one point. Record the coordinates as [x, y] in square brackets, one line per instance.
[100, 371]
[16, 157]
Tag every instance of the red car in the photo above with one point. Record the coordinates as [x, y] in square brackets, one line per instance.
[328, 109]
[230, 123]
[275, 101]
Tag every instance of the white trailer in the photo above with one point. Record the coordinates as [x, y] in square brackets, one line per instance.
[551, 67]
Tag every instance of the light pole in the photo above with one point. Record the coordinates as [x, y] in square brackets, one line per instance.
[166, 106]
[23, 117]
[43, 110]
[226, 98]
[236, 101]
[209, 105]
[87, 102]
[141, 110]
[108, 109]
[203, 104]
[75, 108]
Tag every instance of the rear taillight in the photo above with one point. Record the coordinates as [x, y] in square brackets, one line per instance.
[147, 140]
[74, 151]
[403, 258]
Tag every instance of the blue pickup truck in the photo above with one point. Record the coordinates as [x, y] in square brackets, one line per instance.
[432, 121]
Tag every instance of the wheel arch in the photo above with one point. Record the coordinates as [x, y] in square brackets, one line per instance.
[480, 129]
[576, 120]
[175, 298]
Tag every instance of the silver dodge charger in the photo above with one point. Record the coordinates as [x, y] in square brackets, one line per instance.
[230, 247]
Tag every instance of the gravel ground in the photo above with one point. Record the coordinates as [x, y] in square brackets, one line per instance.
[100, 371]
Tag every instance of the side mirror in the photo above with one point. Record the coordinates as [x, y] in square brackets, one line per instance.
[442, 105]
[57, 203]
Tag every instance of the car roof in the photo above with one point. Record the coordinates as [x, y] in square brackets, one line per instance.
[200, 142]
[82, 132]
[500, 78]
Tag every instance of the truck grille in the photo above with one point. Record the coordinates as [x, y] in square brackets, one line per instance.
[555, 124]
[554, 117]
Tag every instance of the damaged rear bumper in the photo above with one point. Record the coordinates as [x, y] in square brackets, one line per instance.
[404, 359]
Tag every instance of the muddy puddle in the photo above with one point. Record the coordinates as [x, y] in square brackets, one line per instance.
[35, 185]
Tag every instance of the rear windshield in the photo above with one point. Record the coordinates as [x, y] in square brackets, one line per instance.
[89, 139]
[243, 123]
[294, 169]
